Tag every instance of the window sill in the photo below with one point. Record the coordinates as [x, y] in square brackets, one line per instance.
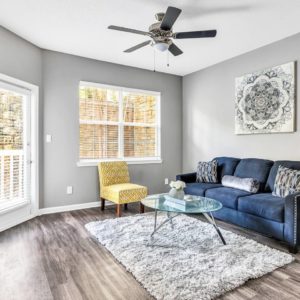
[13, 205]
[129, 162]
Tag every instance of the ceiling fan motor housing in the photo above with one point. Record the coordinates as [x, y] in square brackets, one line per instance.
[158, 34]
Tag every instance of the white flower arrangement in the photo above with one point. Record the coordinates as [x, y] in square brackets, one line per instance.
[178, 185]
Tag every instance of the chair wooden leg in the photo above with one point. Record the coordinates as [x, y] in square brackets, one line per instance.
[119, 210]
[125, 206]
[102, 203]
[142, 208]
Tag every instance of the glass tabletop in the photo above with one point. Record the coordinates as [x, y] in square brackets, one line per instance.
[191, 204]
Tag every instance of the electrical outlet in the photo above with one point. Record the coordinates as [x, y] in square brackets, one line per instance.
[166, 180]
[48, 138]
[69, 190]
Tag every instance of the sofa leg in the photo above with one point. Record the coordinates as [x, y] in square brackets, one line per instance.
[102, 204]
[142, 208]
[293, 249]
[119, 210]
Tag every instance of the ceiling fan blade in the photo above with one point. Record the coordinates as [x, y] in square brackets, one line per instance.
[129, 30]
[195, 34]
[137, 46]
[174, 50]
[170, 17]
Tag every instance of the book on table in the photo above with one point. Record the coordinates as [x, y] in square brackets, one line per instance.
[175, 203]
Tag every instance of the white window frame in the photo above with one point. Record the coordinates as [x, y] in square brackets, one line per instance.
[121, 124]
[33, 91]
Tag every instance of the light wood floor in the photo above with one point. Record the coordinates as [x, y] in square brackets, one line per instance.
[53, 257]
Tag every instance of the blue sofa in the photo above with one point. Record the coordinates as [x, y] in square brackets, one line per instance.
[273, 216]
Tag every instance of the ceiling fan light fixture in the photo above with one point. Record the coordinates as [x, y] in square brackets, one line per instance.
[161, 46]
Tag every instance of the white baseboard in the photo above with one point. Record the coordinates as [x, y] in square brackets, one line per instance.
[11, 222]
[57, 209]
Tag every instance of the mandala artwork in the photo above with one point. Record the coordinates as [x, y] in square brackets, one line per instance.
[264, 101]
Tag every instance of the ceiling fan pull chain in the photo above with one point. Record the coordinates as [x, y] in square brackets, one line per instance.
[154, 63]
[168, 65]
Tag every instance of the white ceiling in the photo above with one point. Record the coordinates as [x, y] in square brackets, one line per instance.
[80, 27]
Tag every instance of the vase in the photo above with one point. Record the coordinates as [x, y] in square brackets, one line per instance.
[178, 194]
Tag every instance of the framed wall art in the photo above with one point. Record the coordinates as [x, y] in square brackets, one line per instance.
[265, 101]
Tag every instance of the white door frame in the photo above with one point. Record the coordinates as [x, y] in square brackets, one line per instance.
[20, 217]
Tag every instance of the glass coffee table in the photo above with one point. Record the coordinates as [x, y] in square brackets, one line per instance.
[194, 205]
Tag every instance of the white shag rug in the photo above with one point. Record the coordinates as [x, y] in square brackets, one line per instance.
[188, 262]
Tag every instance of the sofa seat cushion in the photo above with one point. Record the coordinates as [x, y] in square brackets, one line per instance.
[227, 196]
[199, 188]
[263, 205]
[124, 192]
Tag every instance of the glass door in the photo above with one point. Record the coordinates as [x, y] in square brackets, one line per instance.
[14, 146]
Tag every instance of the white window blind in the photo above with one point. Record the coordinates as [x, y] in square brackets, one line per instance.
[118, 124]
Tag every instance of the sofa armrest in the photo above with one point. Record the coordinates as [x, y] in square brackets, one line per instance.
[292, 219]
[187, 178]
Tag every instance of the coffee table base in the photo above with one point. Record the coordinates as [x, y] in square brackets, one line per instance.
[209, 217]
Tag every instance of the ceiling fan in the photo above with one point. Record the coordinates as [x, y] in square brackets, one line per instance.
[161, 33]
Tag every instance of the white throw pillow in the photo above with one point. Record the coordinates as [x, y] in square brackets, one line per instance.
[245, 184]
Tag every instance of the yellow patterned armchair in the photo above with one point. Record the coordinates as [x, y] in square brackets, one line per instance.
[115, 186]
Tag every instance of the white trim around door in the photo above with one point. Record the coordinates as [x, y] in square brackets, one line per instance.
[20, 212]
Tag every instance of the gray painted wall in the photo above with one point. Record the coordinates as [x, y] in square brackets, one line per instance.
[198, 129]
[19, 58]
[208, 109]
[61, 76]
[58, 76]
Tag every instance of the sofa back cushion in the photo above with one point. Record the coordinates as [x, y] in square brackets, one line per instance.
[254, 168]
[226, 166]
[285, 163]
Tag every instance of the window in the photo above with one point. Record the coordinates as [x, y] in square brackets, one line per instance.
[14, 138]
[118, 124]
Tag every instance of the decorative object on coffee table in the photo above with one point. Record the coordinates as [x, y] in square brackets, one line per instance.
[115, 186]
[265, 101]
[177, 189]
